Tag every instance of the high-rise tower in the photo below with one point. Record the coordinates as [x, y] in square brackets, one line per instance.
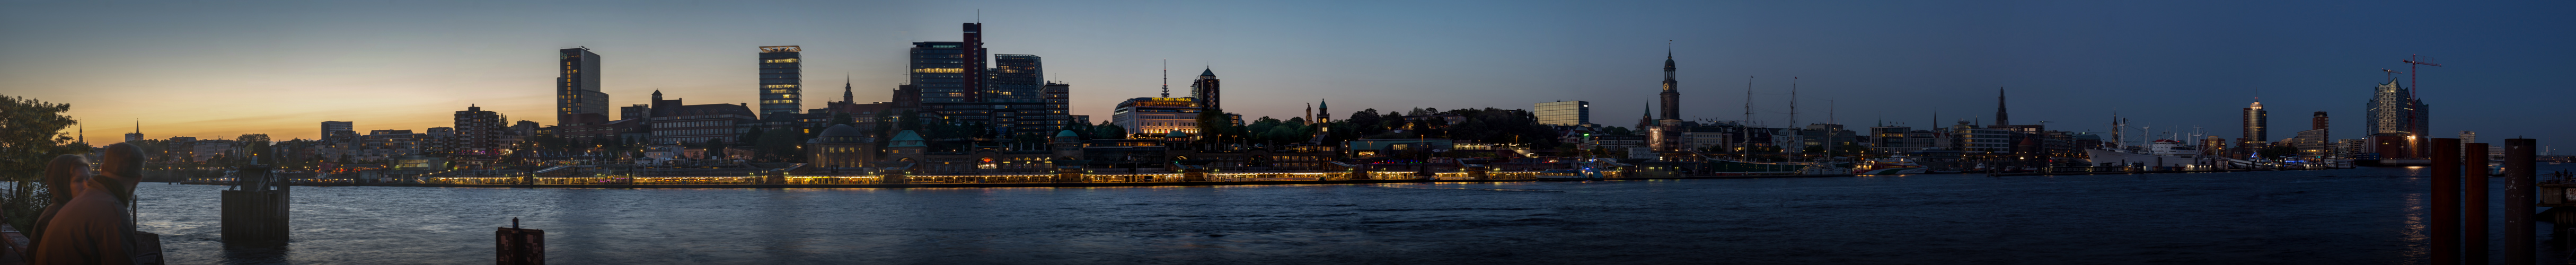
[1205, 90]
[1672, 98]
[2255, 119]
[781, 83]
[577, 86]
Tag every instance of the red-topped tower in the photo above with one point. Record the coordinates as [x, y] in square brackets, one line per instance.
[974, 43]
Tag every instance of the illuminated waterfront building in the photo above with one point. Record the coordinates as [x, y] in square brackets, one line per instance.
[577, 86]
[1564, 113]
[674, 122]
[781, 83]
[2316, 143]
[1059, 107]
[1156, 116]
[2255, 134]
[841, 146]
[478, 132]
[2396, 122]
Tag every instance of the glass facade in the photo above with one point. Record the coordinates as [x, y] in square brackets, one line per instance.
[577, 84]
[1566, 113]
[939, 71]
[781, 82]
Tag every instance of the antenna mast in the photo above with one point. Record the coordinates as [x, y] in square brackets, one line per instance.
[1167, 78]
[1748, 102]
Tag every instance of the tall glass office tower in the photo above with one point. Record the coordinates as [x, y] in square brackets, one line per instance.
[577, 85]
[781, 83]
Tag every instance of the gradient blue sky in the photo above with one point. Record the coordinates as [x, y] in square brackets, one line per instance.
[219, 68]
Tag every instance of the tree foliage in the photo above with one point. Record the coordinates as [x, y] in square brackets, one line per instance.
[31, 135]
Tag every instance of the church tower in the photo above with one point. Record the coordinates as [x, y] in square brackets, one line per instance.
[1672, 99]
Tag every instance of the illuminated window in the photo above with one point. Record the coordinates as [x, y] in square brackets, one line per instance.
[787, 60]
[779, 86]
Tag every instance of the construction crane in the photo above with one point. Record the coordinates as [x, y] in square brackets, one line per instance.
[2418, 59]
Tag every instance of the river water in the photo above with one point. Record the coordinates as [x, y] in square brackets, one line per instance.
[2348, 216]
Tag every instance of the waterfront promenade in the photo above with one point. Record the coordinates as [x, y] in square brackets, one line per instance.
[1061, 180]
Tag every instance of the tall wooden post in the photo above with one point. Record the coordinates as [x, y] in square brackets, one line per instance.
[519, 246]
[255, 207]
[2446, 201]
[2518, 186]
[2473, 221]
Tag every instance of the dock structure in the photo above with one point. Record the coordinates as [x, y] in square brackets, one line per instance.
[255, 207]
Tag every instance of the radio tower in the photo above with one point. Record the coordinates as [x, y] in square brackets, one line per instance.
[1167, 78]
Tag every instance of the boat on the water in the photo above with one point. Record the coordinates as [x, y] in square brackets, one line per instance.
[2162, 153]
[1568, 175]
[1721, 167]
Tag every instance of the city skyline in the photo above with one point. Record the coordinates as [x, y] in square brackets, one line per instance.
[2073, 64]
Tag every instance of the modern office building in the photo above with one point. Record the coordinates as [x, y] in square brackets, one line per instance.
[1155, 117]
[951, 78]
[1017, 97]
[939, 74]
[781, 83]
[338, 131]
[577, 86]
[2396, 122]
[2256, 136]
[478, 132]
[1564, 113]
[1059, 107]
[1205, 91]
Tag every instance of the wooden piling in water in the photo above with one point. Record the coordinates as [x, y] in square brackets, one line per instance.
[2519, 184]
[2473, 204]
[2445, 202]
[519, 246]
[255, 208]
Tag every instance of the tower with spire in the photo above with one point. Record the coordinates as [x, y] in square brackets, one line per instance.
[1672, 98]
[137, 135]
[2002, 117]
[1323, 111]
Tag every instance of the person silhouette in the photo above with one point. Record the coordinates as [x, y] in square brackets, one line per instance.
[62, 180]
[94, 227]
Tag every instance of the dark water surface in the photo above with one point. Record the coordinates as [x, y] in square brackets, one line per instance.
[2351, 216]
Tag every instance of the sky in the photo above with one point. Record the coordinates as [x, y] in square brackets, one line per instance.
[222, 68]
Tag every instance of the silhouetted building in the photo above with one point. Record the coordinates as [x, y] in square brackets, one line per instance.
[1672, 96]
[1059, 107]
[1016, 97]
[2003, 117]
[478, 132]
[781, 81]
[338, 131]
[676, 123]
[1205, 91]
[577, 86]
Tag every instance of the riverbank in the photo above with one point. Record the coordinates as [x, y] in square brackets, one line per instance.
[983, 185]
[1130, 184]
